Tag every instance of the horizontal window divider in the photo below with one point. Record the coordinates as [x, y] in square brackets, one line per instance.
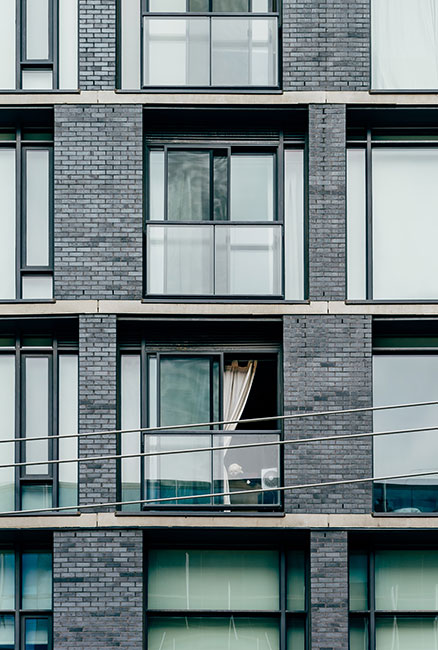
[219, 224]
[226, 432]
[187, 613]
[223, 90]
[36, 63]
[213, 298]
[210, 507]
[40, 270]
[407, 613]
[209, 14]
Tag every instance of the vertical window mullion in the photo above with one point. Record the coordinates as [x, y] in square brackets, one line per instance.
[54, 422]
[17, 636]
[19, 203]
[19, 446]
[369, 217]
[372, 601]
[282, 599]
[54, 38]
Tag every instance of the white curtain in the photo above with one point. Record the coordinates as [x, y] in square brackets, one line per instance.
[238, 381]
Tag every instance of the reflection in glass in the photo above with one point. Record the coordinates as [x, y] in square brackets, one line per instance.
[252, 187]
[243, 580]
[189, 186]
[36, 634]
[130, 419]
[37, 29]
[37, 412]
[38, 496]
[406, 580]
[406, 633]
[7, 430]
[36, 580]
[358, 581]
[220, 185]
[184, 390]
[7, 580]
[296, 583]
[68, 424]
[359, 634]
[296, 635]
[7, 632]
[8, 224]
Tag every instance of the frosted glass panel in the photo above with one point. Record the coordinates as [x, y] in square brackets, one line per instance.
[7, 632]
[7, 46]
[36, 497]
[36, 580]
[167, 5]
[130, 419]
[242, 580]
[37, 29]
[406, 580]
[214, 634]
[37, 207]
[294, 225]
[404, 44]
[176, 51]
[68, 424]
[296, 583]
[68, 44]
[7, 431]
[180, 260]
[130, 44]
[7, 580]
[37, 80]
[248, 260]
[7, 239]
[36, 634]
[405, 224]
[358, 582]
[252, 188]
[37, 287]
[230, 5]
[156, 185]
[37, 412]
[405, 634]
[356, 225]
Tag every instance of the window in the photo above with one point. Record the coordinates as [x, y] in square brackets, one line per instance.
[39, 45]
[25, 598]
[393, 599]
[392, 201]
[26, 242]
[217, 224]
[39, 397]
[405, 370]
[199, 43]
[258, 600]
[404, 45]
[162, 386]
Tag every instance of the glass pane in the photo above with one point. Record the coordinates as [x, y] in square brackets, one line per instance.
[359, 634]
[199, 5]
[36, 497]
[406, 580]
[153, 385]
[130, 30]
[296, 635]
[404, 45]
[230, 5]
[184, 390]
[405, 204]
[167, 5]
[7, 431]
[358, 581]
[252, 188]
[130, 419]
[176, 52]
[37, 412]
[263, 52]
[220, 186]
[182, 579]
[37, 287]
[177, 474]
[68, 424]
[233, 633]
[37, 207]
[36, 634]
[250, 468]
[7, 581]
[296, 581]
[36, 580]
[68, 44]
[37, 80]
[7, 239]
[156, 185]
[406, 633]
[248, 260]
[7, 633]
[260, 6]
[356, 224]
[403, 379]
[188, 186]
[180, 260]
[294, 225]
[7, 46]
[37, 29]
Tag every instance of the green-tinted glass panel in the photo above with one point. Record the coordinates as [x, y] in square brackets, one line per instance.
[296, 583]
[230, 5]
[243, 580]
[296, 635]
[7, 342]
[359, 634]
[199, 5]
[7, 633]
[7, 136]
[396, 633]
[38, 496]
[40, 341]
[406, 580]
[45, 136]
[7, 580]
[185, 390]
[405, 342]
[36, 631]
[188, 186]
[358, 582]
[36, 579]
[220, 183]
[213, 633]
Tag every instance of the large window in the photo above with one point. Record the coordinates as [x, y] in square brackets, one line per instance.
[392, 205]
[404, 45]
[199, 43]
[39, 45]
[26, 241]
[38, 399]
[161, 388]
[258, 600]
[25, 598]
[225, 221]
[393, 599]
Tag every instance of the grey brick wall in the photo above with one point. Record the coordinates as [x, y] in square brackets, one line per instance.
[97, 407]
[328, 366]
[97, 44]
[326, 44]
[98, 589]
[327, 192]
[98, 202]
[329, 590]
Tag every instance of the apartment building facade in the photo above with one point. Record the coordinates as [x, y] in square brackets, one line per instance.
[216, 211]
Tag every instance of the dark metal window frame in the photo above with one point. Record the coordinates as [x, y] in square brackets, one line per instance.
[20, 615]
[21, 146]
[51, 63]
[174, 351]
[283, 615]
[23, 352]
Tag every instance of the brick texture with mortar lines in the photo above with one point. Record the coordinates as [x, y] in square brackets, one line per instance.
[97, 44]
